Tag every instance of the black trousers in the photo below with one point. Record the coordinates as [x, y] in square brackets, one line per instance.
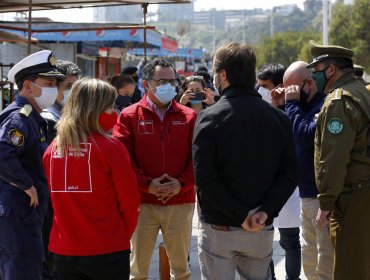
[115, 266]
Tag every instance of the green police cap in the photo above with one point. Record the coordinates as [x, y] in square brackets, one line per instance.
[323, 52]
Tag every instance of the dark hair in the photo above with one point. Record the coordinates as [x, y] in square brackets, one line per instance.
[190, 79]
[31, 78]
[206, 76]
[341, 63]
[239, 63]
[202, 68]
[119, 81]
[68, 68]
[148, 70]
[272, 71]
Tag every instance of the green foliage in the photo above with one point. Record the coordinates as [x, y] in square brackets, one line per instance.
[349, 28]
[285, 48]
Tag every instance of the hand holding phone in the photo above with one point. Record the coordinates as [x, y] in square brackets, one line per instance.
[199, 96]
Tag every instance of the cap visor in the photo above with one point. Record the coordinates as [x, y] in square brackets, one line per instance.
[312, 64]
[52, 74]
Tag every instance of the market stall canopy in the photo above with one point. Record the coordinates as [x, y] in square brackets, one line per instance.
[180, 52]
[37, 5]
[92, 32]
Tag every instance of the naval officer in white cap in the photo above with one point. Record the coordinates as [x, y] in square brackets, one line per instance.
[23, 186]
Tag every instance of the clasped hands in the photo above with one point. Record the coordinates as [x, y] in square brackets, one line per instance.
[164, 187]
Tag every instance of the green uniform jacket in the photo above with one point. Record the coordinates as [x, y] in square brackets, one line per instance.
[342, 140]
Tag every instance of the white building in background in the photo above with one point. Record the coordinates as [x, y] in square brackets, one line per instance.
[127, 14]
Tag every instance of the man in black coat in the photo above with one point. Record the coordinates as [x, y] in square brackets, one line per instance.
[245, 169]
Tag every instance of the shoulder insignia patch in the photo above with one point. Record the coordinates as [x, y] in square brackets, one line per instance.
[16, 137]
[335, 125]
[26, 110]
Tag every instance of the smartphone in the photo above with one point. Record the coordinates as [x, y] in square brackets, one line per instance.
[199, 96]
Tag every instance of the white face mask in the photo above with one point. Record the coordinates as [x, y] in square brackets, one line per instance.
[47, 97]
[265, 93]
[65, 97]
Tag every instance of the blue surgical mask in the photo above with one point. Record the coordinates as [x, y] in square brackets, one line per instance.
[217, 90]
[195, 102]
[165, 93]
[65, 97]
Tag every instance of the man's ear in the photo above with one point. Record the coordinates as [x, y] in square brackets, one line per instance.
[332, 70]
[26, 87]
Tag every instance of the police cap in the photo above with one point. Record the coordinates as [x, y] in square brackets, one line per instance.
[41, 63]
[323, 52]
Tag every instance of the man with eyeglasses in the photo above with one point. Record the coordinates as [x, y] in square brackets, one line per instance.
[158, 132]
[23, 186]
[302, 104]
[342, 160]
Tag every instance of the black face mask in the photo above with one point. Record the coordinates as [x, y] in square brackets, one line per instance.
[303, 96]
[122, 101]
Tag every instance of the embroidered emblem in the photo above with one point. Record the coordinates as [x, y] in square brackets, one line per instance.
[16, 137]
[335, 126]
[52, 59]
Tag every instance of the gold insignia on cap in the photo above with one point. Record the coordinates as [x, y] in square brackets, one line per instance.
[26, 110]
[52, 59]
[16, 137]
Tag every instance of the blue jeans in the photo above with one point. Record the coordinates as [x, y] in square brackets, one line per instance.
[289, 241]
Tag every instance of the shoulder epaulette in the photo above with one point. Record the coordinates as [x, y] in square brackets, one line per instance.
[26, 110]
[337, 94]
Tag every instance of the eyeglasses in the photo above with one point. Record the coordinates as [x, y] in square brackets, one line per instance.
[163, 82]
[193, 78]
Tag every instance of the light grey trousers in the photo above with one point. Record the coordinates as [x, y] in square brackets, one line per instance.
[223, 253]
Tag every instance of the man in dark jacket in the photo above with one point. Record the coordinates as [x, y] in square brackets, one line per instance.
[245, 170]
[302, 105]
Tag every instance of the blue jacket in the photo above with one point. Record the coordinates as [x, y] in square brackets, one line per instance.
[304, 126]
[22, 145]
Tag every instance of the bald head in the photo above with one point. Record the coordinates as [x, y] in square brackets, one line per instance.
[296, 74]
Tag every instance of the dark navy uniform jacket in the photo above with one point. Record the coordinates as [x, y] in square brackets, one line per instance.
[304, 127]
[22, 145]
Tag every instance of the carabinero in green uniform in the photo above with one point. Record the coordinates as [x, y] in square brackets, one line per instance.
[342, 160]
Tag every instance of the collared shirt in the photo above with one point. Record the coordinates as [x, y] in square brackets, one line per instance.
[161, 114]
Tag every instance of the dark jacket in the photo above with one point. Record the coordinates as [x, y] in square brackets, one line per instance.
[304, 127]
[243, 153]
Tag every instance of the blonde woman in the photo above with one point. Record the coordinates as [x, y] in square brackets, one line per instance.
[92, 187]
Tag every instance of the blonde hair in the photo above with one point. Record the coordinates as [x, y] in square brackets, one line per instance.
[89, 97]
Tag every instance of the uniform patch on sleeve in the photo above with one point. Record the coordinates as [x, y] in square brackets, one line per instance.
[335, 125]
[16, 137]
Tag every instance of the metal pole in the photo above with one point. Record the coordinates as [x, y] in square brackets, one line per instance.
[325, 38]
[272, 22]
[214, 30]
[29, 26]
[243, 34]
[145, 11]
